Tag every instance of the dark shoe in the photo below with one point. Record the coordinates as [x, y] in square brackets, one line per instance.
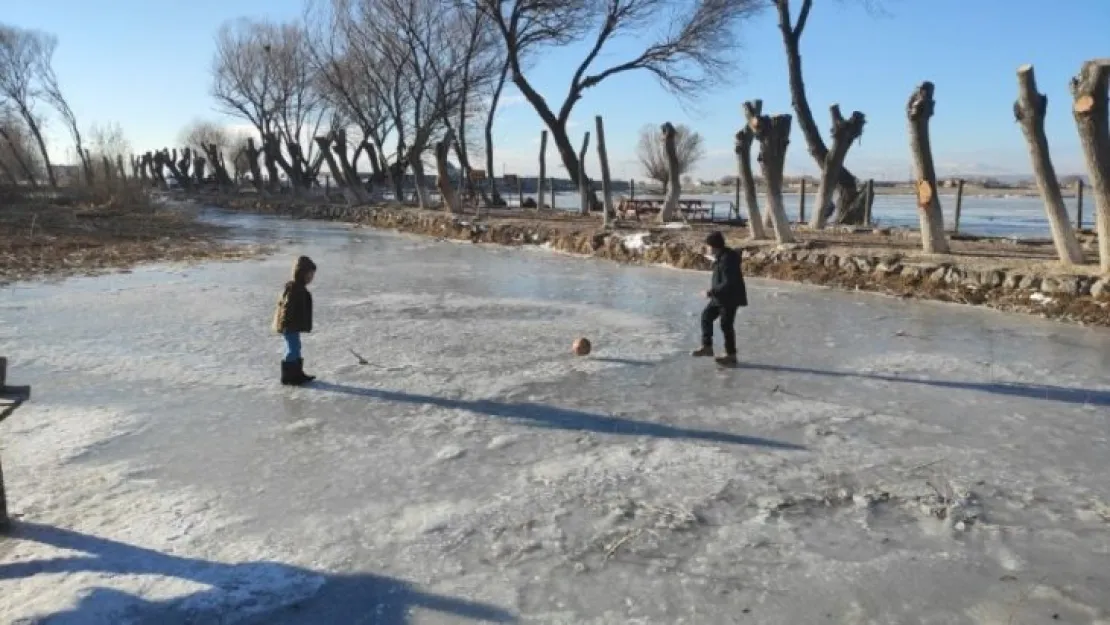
[702, 352]
[728, 360]
[304, 377]
[288, 373]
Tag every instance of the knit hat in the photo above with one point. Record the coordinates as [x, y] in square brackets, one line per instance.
[303, 266]
[715, 240]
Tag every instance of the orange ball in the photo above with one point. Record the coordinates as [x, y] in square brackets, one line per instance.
[581, 346]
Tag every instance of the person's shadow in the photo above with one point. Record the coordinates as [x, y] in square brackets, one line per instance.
[544, 416]
[259, 593]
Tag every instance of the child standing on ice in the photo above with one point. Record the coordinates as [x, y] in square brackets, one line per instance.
[294, 316]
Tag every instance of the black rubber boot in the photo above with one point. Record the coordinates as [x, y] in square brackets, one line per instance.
[288, 373]
[303, 377]
[728, 360]
[703, 352]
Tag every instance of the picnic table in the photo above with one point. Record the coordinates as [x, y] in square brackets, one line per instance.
[691, 209]
[11, 397]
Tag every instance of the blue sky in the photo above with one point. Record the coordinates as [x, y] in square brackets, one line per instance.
[145, 65]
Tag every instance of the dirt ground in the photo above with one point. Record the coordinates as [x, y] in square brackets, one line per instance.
[91, 232]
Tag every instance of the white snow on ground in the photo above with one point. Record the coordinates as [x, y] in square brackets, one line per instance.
[636, 241]
[884, 461]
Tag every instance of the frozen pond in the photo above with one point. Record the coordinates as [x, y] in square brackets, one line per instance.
[872, 461]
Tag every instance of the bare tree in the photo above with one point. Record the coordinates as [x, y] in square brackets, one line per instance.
[18, 153]
[1092, 119]
[20, 54]
[107, 145]
[668, 137]
[689, 148]
[791, 29]
[694, 54]
[1029, 110]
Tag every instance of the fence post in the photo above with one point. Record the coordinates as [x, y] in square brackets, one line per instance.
[870, 201]
[959, 204]
[801, 202]
[1079, 204]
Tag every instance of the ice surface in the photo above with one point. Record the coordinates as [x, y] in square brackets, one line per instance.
[871, 461]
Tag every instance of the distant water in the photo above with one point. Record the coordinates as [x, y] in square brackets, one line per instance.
[1019, 217]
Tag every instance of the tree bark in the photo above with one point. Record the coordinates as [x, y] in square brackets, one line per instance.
[119, 167]
[744, 140]
[844, 133]
[919, 110]
[443, 179]
[213, 152]
[773, 134]
[1089, 93]
[606, 181]
[1029, 110]
[674, 183]
[543, 170]
[583, 179]
[494, 195]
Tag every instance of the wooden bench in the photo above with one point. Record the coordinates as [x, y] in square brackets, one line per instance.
[11, 397]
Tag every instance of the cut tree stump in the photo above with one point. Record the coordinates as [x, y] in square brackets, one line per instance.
[744, 140]
[1029, 111]
[844, 133]
[919, 110]
[773, 134]
[583, 180]
[443, 179]
[1092, 118]
[674, 182]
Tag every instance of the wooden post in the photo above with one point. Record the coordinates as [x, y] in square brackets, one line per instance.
[1079, 204]
[959, 205]
[543, 172]
[632, 189]
[606, 183]
[736, 204]
[520, 193]
[801, 202]
[870, 201]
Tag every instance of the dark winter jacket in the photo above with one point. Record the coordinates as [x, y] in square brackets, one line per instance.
[294, 309]
[728, 288]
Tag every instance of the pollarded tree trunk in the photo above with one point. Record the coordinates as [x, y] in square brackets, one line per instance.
[542, 182]
[256, 171]
[606, 181]
[744, 140]
[271, 149]
[1029, 110]
[349, 194]
[844, 133]
[674, 184]
[417, 166]
[213, 152]
[583, 179]
[443, 179]
[119, 167]
[346, 167]
[773, 134]
[919, 110]
[1089, 91]
[106, 163]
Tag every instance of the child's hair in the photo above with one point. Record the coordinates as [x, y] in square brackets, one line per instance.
[303, 266]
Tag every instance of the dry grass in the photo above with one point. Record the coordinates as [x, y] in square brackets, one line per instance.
[90, 231]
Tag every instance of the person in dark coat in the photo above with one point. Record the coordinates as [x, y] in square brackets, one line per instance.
[726, 294]
[294, 317]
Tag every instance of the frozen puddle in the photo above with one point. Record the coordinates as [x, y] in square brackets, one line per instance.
[873, 461]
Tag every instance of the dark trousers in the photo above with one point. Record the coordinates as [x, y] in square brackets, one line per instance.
[727, 314]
